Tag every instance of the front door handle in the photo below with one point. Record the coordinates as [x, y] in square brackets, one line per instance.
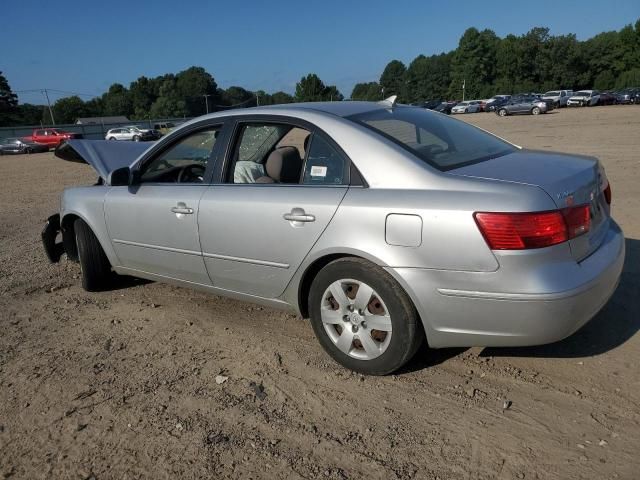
[182, 209]
[299, 215]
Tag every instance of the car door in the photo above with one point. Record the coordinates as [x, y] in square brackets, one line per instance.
[153, 224]
[256, 230]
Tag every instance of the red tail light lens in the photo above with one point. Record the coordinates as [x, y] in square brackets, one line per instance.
[578, 220]
[521, 231]
[607, 193]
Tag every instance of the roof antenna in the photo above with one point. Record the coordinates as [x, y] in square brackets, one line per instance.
[389, 102]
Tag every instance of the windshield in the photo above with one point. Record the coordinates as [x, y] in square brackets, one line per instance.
[552, 94]
[583, 94]
[438, 140]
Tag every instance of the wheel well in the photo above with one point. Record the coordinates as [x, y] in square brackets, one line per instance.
[308, 276]
[69, 236]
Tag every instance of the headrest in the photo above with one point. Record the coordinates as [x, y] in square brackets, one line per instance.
[284, 165]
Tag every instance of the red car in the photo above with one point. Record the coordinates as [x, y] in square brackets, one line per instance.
[52, 137]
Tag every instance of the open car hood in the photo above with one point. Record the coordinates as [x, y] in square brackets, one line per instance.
[104, 156]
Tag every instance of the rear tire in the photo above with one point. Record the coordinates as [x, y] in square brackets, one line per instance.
[385, 304]
[112, 138]
[136, 138]
[502, 112]
[94, 264]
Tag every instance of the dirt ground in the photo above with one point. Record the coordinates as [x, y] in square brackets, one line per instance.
[122, 384]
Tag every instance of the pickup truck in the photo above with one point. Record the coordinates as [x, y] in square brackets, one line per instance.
[52, 137]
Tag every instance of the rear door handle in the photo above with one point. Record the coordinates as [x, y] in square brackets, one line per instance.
[299, 215]
[181, 208]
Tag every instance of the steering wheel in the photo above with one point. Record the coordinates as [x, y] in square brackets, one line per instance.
[191, 173]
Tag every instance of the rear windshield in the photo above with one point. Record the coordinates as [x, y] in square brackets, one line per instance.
[438, 140]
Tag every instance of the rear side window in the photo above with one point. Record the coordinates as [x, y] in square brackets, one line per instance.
[438, 140]
[325, 166]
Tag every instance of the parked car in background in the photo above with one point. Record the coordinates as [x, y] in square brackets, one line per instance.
[386, 228]
[495, 102]
[9, 146]
[51, 137]
[445, 107]
[584, 98]
[629, 95]
[133, 133]
[164, 127]
[608, 98]
[558, 97]
[469, 106]
[523, 105]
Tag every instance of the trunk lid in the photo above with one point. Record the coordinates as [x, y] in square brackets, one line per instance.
[569, 180]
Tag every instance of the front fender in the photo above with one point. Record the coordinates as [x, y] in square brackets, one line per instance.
[87, 203]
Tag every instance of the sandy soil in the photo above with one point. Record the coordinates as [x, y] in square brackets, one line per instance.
[122, 384]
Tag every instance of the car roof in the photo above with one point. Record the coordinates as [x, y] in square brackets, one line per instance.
[340, 109]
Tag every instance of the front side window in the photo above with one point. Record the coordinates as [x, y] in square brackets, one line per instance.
[440, 141]
[185, 161]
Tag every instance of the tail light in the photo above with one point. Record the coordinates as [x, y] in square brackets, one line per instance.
[607, 193]
[522, 231]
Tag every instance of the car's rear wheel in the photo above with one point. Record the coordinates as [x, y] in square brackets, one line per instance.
[363, 318]
[94, 264]
[502, 112]
[112, 138]
[136, 138]
[535, 111]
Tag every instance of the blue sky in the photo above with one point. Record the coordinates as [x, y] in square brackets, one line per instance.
[84, 46]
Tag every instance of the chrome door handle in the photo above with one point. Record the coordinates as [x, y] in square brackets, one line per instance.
[181, 208]
[299, 215]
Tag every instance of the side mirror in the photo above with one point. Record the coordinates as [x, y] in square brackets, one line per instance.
[120, 177]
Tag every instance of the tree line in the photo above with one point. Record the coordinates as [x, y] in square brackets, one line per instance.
[189, 93]
[534, 62]
[484, 62]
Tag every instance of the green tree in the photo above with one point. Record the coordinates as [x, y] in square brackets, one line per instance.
[69, 109]
[604, 81]
[170, 103]
[278, 98]
[428, 78]
[630, 78]
[191, 85]
[370, 91]
[312, 89]
[474, 64]
[392, 80]
[8, 103]
[117, 101]
[143, 93]
[238, 96]
[28, 114]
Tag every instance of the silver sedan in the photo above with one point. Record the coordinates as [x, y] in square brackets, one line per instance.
[387, 225]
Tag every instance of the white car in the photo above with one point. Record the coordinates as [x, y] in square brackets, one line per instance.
[558, 97]
[470, 106]
[131, 132]
[584, 98]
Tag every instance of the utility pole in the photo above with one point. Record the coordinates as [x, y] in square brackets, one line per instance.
[46, 94]
[206, 101]
[464, 84]
[257, 100]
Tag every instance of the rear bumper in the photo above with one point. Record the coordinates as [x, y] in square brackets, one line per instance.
[467, 317]
[52, 248]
